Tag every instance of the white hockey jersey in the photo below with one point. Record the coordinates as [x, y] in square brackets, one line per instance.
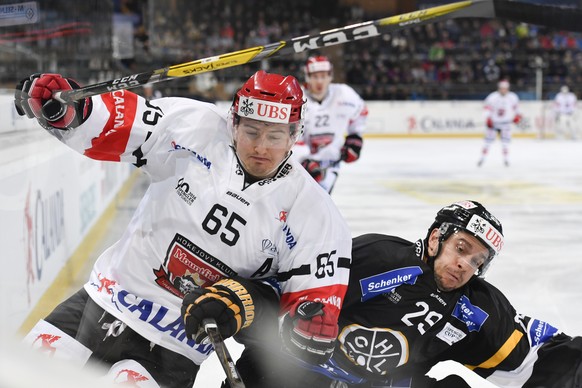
[565, 103]
[199, 222]
[342, 112]
[502, 109]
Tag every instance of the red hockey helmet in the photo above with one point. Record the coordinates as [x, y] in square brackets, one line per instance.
[317, 63]
[271, 97]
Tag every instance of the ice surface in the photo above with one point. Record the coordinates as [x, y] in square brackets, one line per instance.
[398, 185]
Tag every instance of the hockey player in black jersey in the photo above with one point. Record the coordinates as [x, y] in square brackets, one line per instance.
[410, 305]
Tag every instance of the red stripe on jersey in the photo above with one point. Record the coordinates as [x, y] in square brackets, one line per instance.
[112, 141]
[364, 111]
[333, 296]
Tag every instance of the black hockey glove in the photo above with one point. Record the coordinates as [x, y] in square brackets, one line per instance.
[351, 149]
[33, 98]
[309, 333]
[314, 169]
[228, 302]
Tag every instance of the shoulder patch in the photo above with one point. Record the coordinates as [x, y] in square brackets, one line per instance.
[540, 332]
[387, 281]
[469, 314]
[450, 334]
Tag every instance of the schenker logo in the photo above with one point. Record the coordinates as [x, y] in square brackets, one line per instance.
[540, 332]
[387, 281]
[272, 112]
[473, 316]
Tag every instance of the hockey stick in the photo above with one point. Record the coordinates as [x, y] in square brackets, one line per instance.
[552, 16]
[448, 368]
[223, 354]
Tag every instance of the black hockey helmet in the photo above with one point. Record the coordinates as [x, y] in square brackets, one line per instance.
[470, 217]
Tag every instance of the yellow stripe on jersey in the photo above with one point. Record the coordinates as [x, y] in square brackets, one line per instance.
[502, 353]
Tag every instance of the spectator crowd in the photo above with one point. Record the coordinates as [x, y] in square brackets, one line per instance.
[454, 59]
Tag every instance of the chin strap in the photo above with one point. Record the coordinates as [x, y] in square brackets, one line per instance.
[431, 258]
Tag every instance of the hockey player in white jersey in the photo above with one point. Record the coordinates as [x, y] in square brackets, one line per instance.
[226, 205]
[564, 110]
[335, 121]
[501, 113]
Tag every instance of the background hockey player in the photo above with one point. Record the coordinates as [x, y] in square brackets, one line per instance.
[410, 305]
[565, 109]
[335, 121]
[501, 113]
[225, 204]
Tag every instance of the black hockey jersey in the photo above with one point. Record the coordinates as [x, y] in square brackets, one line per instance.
[395, 323]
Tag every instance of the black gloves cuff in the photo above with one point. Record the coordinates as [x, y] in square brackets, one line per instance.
[241, 296]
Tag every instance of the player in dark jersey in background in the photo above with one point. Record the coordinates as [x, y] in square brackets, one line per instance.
[410, 305]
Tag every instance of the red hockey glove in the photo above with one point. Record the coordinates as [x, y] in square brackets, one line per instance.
[350, 152]
[33, 98]
[489, 123]
[314, 169]
[228, 302]
[517, 119]
[309, 333]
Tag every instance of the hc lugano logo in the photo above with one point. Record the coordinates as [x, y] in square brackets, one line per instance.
[247, 108]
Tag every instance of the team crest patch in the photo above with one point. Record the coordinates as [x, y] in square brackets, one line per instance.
[377, 350]
[187, 267]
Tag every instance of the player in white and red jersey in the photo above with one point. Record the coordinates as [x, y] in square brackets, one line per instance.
[501, 113]
[226, 205]
[334, 124]
[564, 109]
